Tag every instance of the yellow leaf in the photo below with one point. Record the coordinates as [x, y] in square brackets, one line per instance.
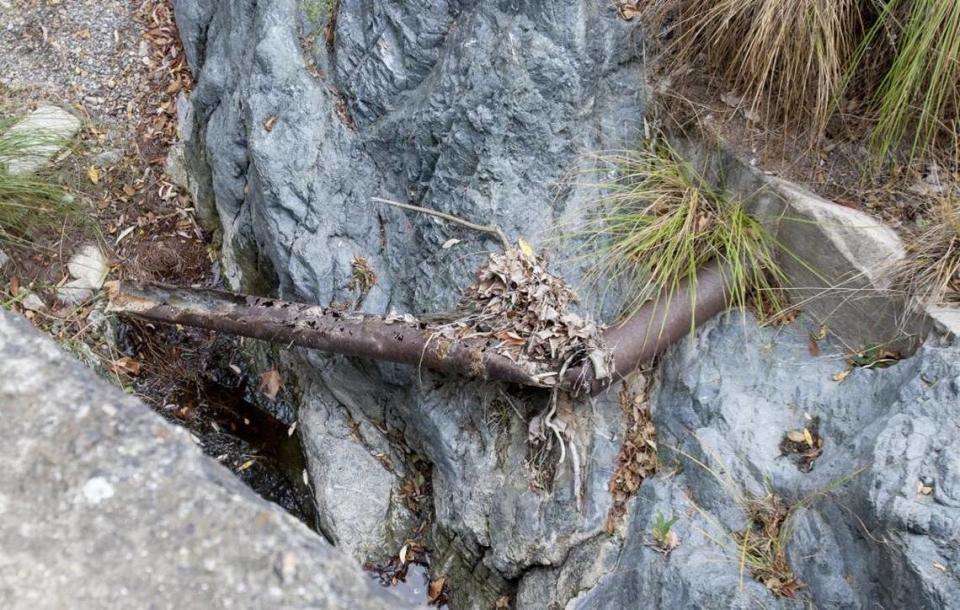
[94, 174]
[796, 437]
[247, 464]
[841, 375]
[525, 247]
[808, 437]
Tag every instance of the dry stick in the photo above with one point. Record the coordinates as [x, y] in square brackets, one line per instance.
[493, 230]
[656, 326]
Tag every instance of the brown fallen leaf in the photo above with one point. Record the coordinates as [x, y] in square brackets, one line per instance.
[93, 174]
[268, 125]
[503, 603]
[126, 365]
[270, 383]
[435, 590]
[841, 375]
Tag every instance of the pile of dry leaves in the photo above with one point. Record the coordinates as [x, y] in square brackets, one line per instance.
[637, 460]
[526, 310]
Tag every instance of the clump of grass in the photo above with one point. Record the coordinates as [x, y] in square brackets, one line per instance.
[763, 545]
[789, 59]
[930, 274]
[29, 203]
[664, 538]
[661, 220]
[919, 97]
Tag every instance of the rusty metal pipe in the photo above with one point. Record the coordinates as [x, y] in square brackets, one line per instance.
[656, 326]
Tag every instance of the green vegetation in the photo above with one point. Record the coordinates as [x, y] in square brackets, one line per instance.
[660, 221]
[663, 537]
[317, 12]
[29, 203]
[794, 61]
[919, 97]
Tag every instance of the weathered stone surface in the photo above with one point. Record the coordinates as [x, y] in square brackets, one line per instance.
[481, 110]
[105, 505]
[866, 535]
[44, 133]
[836, 259]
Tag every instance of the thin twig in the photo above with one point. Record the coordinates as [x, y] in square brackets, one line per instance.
[493, 230]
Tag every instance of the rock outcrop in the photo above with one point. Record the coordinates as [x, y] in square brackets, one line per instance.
[484, 110]
[105, 505]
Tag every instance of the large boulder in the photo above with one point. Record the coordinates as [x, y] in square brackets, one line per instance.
[105, 505]
[876, 519]
[478, 109]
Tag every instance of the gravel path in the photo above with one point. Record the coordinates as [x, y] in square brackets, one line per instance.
[89, 55]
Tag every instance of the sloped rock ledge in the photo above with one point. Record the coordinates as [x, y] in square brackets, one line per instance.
[106, 505]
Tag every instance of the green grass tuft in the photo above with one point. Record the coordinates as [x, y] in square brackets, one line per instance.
[29, 203]
[660, 221]
[918, 99]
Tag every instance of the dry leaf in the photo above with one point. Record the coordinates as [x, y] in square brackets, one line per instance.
[525, 247]
[435, 590]
[270, 383]
[126, 365]
[822, 333]
[93, 174]
[797, 436]
[247, 465]
[450, 243]
[807, 437]
[841, 375]
[503, 603]
[270, 123]
[292, 429]
[403, 554]
[939, 566]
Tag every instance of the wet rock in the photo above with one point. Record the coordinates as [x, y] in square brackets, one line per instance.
[104, 504]
[479, 110]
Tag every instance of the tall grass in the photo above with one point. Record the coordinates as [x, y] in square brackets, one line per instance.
[659, 221]
[919, 97]
[788, 58]
[29, 203]
[793, 60]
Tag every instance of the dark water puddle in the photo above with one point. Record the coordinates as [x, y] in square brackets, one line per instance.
[197, 380]
[200, 382]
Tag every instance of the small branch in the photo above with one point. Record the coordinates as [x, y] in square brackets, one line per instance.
[492, 230]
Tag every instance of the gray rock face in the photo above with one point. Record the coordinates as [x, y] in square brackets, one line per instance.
[865, 536]
[481, 110]
[105, 505]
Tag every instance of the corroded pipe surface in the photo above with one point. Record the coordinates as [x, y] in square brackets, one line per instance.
[656, 326]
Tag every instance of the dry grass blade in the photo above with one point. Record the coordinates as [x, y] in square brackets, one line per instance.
[788, 59]
[930, 275]
[763, 546]
[660, 221]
